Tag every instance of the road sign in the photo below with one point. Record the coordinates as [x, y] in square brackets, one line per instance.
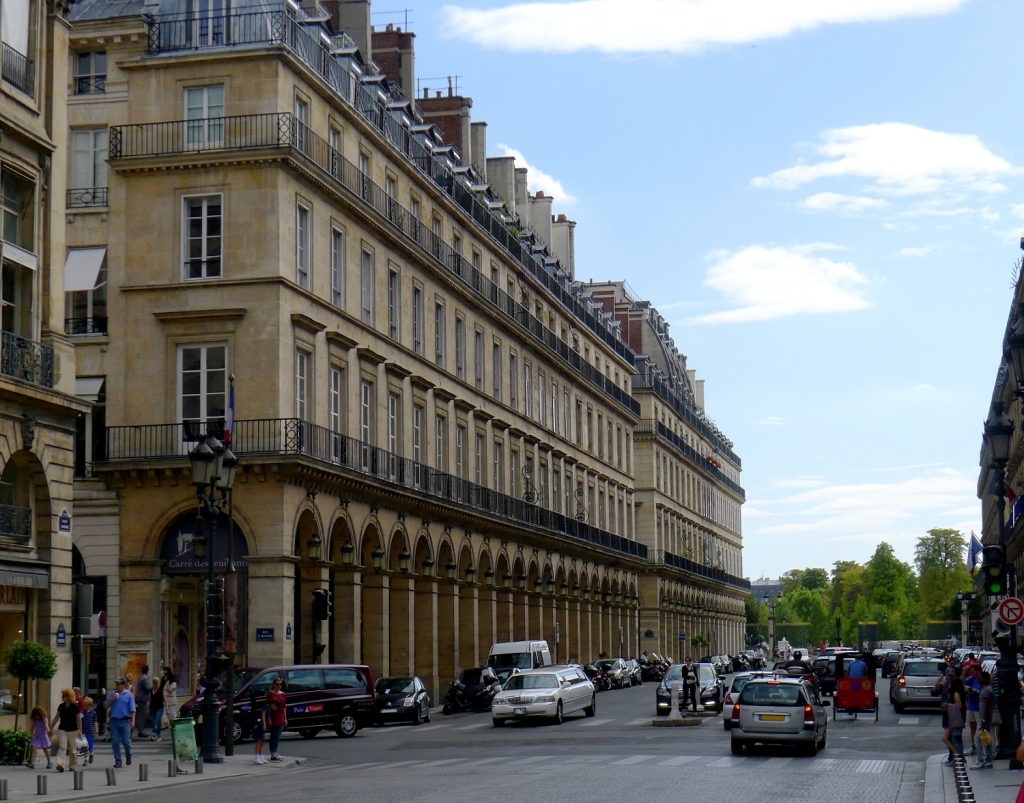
[682, 636]
[1011, 611]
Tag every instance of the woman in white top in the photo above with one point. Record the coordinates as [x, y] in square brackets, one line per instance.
[170, 686]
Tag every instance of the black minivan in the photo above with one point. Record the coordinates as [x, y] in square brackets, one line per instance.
[339, 697]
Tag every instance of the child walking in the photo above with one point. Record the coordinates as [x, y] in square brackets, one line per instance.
[259, 733]
[89, 724]
[40, 737]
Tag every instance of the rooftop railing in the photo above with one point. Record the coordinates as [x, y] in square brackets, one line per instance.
[291, 436]
[689, 413]
[283, 130]
[281, 27]
[711, 573]
[26, 359]
[649, 425]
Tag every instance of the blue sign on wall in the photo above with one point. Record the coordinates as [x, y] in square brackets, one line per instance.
[62, 635]
[264, 634]
[682, 636]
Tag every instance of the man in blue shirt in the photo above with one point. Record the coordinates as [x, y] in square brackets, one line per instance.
[858, 668]
[120, 705]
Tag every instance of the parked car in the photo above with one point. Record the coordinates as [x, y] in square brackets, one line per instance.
[889, 662]
[710, 690]
[732, 694]
[635, 674]
[317, 696]
[403, 698]
[551, 692]
[915, 683]
[615, 669]
[780, 710]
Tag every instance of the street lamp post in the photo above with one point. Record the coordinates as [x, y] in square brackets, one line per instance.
[965, 598]
[998, 429]
[771, 603]
[213, 474]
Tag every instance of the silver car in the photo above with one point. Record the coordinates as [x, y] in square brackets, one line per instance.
[779, 710]
[739, 680]
[551, 692]
[915, 684]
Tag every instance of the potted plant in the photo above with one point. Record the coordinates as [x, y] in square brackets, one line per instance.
[29, 660]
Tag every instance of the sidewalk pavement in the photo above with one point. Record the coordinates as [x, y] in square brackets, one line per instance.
[21, 781]
[996, 785]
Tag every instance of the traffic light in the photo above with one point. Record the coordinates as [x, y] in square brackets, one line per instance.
[321, 605]
[993, 570]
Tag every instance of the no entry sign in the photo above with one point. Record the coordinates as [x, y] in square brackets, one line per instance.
[1011, 611]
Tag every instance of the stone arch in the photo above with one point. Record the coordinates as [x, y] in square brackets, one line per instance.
[504, 593]
[400, 599]
[425, 589]
[375, 586]
[519, 597]
[487, 599]
[308, 578]
[344, 626]
[26, 476]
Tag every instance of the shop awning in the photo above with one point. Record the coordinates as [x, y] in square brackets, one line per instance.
[88, 387]
[23, 575]
[82, 268]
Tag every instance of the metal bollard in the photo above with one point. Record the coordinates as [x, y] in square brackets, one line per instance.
[199, 766]
[79, 779]
[3, 789]
[172, 770]
[111, 776]
[40, 784]
[143, 772]
[674, 703]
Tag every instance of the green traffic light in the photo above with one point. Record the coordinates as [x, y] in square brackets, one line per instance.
[995, 588]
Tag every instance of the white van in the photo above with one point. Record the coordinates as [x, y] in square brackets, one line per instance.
[506, 657]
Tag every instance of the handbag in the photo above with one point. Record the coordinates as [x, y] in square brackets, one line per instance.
[955, 715]
[985, 738]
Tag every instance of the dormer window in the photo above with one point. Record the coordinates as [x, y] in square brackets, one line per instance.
[91, 73]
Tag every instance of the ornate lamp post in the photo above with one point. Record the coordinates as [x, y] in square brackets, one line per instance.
[965, 598]
[771, 603]
[213, 475]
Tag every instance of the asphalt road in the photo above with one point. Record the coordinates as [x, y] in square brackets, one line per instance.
[616, 755]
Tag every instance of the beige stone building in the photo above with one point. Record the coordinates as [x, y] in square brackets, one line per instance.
[38, 408]
[433, 420]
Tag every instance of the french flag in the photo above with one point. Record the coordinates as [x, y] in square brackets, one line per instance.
[974, 552]
[229, 419]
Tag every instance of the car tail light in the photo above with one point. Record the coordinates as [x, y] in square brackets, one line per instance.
[728, 699]
[736, 713]
[901, 681]
[808, 717]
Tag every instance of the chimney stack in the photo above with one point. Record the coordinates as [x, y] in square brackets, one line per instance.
[395, 54]
[353, 17]
[478, 151]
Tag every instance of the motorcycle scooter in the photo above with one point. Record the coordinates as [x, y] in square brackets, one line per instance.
[471, 690]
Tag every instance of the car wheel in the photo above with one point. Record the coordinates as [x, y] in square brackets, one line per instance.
[811, 749]
[426, 716]
[738, 747]
[559, 719]
[417, 717]
[347, 725]
[308, 733]
[898, 707]
[237, 734]
[727, 724]
[497, 722]
[591, 709]
[824, 740]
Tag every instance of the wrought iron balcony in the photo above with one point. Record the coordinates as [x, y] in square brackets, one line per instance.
[86, 196]
[16, 69]
[691, 414]
[269, 438]
[96, 325]
[282, 28]
[650, 426]
[691, 566]
[15, 524]
[26, 359]
[283, 131]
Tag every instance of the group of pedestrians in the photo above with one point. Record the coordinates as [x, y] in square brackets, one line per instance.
[967, 700]
[130, 707]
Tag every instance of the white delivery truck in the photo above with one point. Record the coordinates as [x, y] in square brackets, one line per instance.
[507, 657]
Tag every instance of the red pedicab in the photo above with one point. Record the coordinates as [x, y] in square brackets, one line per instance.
[858, 694]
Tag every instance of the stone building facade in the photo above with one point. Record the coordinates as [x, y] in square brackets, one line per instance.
[434, 421]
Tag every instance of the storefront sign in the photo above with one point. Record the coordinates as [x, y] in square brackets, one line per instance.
[64, 521]
[179, 556]
[264, 634]
[288, 632]
[12, 595]
[62, 635]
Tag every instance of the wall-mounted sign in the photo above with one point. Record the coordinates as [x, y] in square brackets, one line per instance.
[64, 521]
[62, 635]
[178, 553]
[264, 634]
[682, 636]
[648, 634]
[288, 632]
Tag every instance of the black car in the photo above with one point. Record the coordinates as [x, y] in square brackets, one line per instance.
[402, 698]
[889, 663]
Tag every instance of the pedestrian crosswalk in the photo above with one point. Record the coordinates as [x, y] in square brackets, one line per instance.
[541, 762]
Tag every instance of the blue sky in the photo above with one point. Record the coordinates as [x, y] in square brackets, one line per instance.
[823, 198]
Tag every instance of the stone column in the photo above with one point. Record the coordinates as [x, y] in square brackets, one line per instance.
[426, 641]
[376, 621]
[403, 625]
[348, 613]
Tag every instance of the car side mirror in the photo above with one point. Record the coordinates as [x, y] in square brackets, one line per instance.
[826, 703]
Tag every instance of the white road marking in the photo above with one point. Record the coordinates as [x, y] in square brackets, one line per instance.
[364, 766]
[876, 766]
[728, 761]
[645, 721]
[445, 761]
[909, 720]
[530, 760]
[633, 760]
[677, 761]
[593, 723]
[773, 763]
[474, 726]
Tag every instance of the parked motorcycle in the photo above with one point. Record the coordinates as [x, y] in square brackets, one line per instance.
[471, 690]
[597, 676]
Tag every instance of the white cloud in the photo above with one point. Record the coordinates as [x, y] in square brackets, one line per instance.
[771, 421]
[837, 202]
[900, 159]
[537, 179]
[917, 251]
[763, 283]
[611, 26]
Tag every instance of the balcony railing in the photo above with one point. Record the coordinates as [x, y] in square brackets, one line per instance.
[16, 69]
[688, 412]
[26, 359]
[687, 565]
[282, 130]
[87, 196]
[292, 436]
[86, 326]
[650, 426]
[16, 523]
[194, 31]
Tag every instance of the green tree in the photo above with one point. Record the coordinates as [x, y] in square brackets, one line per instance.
[888, 579]
[814, 579]
[29, 660]
[941, 571]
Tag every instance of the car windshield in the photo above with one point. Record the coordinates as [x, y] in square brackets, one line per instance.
[521, 682]
[605, 665]
[675, 672]
[511, 660]
[706, 673]
[931, 668]
[395, 685]
[771, 694]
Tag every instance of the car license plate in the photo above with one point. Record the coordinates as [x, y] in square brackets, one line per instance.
[773, 717]
[388, 710]
[519, 712]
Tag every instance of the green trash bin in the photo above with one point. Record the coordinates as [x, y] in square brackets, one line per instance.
[183, 743]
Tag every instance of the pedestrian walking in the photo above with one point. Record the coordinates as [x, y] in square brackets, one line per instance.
[973, 687]
[156, 708]
[143, 693]
[40, 737]
[170, 684]
[278, 716]
[689, 676]
[120, 706]
[68, 723]
[89, 726]
[101, 718]
[259, 734]
[983, 741]
[953, 735]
